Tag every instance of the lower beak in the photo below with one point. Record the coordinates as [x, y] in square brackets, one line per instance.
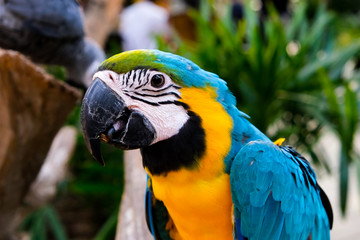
[104, 116]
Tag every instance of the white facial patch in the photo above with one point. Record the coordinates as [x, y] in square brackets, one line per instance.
[151, 93]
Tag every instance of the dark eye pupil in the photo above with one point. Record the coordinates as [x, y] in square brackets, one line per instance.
[157, 80]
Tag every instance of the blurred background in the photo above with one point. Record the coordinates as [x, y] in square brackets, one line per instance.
[293, 66]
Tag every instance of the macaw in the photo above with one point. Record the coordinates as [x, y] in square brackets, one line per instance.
[51, 32]
[211, 173]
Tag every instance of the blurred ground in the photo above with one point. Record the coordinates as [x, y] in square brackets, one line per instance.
[347, 228]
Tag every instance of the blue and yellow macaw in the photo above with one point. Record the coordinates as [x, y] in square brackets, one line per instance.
[212, 174]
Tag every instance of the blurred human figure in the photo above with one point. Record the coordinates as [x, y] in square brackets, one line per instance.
[140, 23]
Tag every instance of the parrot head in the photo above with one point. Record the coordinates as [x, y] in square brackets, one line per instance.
[149, 98]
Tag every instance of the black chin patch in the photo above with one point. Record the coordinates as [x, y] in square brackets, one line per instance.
[181, 150]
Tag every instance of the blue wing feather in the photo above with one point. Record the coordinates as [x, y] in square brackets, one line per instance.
[148, 208]
[276, 195]
[237, 230]
[156, 215]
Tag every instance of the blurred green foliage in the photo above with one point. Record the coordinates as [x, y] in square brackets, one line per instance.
[285, 73]
[58, 72]
[42, 221]
[342, 115]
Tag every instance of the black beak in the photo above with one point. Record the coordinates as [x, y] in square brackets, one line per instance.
[104, 116]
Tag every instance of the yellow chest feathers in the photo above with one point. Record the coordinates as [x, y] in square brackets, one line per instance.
[200, 210]
[199, 199]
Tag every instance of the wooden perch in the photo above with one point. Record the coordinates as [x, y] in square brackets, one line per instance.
[54, 169]
[33, 106]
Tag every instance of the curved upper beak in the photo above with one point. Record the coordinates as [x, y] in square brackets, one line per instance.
[105, 117]
[101, 106]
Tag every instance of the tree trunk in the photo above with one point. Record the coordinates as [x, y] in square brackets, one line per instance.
[101, 18]
[33, 106]
[132, 223]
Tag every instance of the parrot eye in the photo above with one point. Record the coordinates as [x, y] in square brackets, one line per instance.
[157, 81]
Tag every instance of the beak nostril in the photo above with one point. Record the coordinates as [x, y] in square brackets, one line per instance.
[111, 77]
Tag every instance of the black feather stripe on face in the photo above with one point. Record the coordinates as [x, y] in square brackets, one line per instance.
[181, 150]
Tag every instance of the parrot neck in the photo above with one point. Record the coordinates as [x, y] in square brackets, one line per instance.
[181, 150]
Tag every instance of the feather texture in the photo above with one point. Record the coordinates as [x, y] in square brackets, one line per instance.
[275, 194]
